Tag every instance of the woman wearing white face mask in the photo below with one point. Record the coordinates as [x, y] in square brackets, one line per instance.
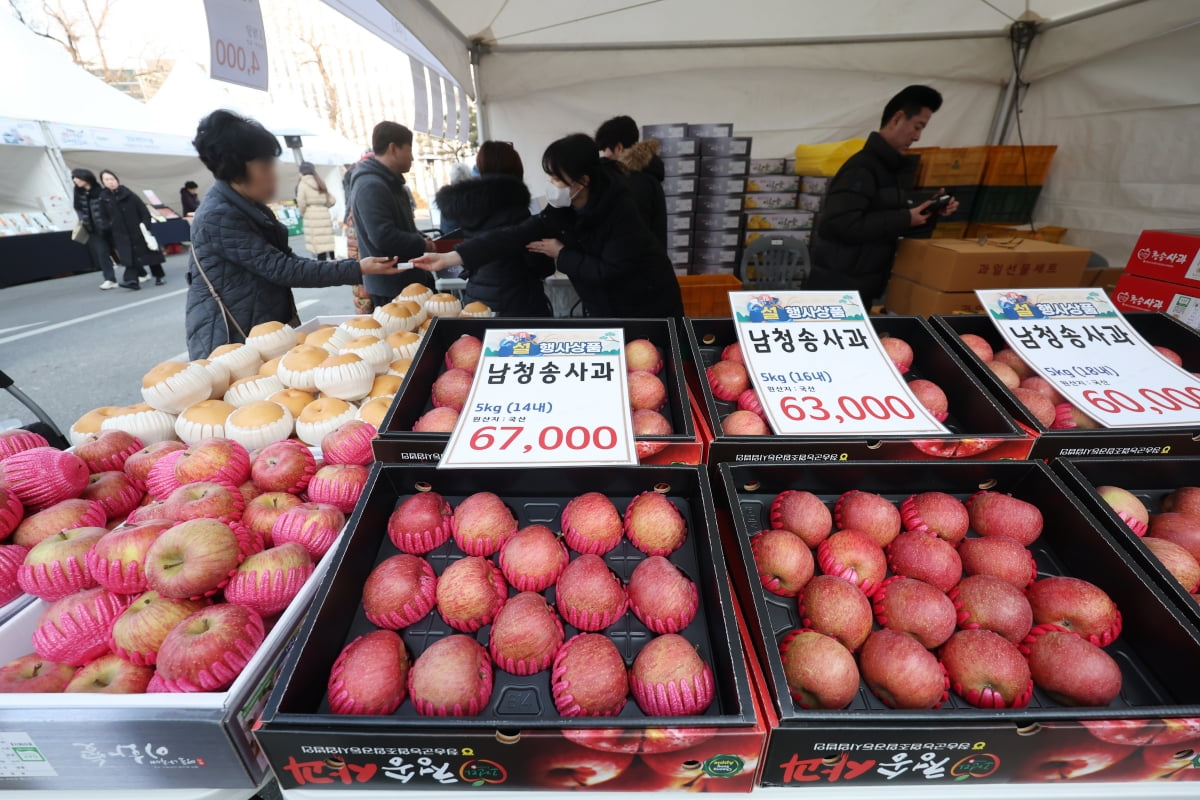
[594, 233]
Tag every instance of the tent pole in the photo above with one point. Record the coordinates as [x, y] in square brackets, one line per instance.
[1023, 34]
[56, 158]
[482, 123]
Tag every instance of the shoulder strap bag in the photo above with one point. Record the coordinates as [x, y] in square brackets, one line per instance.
[212, 290]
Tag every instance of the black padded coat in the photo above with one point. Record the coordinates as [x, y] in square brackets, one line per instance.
[244, 251]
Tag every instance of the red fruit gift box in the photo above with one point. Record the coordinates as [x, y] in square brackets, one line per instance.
[587, 641]
[976, 624]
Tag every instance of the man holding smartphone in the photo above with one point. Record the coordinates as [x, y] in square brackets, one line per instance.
[866, 206]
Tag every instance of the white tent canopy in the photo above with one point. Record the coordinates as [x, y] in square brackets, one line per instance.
[793, 71]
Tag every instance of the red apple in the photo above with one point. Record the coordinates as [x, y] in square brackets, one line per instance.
[1005, 374]
[107, 450]
[1184, 500]
[57, 566]
[1013, 361]
[1128, 507]
[1070, 761]
[34, 674]
[214, 459]
[111, 674]
[60, 517]
[638, 740]
[1141, 732]
[262, 511]
[193, 559]
[979, 346]
[1181, 564]
[208, 650]
[1182, 529]
[205, 500]
[140, 630]
[285, 466]
[566, 766]
[115, 491]
[117, 561]
[783, 560]
[138, 465]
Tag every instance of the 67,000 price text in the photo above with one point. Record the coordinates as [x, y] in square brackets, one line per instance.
[551, 437]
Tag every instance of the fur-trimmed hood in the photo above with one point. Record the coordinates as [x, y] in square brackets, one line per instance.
[486, 202]
[643, 157]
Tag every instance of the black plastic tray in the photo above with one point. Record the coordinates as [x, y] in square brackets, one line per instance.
[1151, 479]
[397, 442]
[1157, 651]
[974, 413]
[1157, 329]
[518, 702]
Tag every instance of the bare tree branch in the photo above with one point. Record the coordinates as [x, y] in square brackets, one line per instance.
[332, 99]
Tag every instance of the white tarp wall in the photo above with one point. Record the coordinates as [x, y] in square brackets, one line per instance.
[1114, 82]
[1127, 126]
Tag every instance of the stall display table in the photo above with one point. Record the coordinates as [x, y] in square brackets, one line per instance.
[38, 256]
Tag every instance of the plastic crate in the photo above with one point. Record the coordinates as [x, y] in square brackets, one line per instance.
[966, 197]
[708, 295]
[1005, 204]
[1007, 167]
[951, 166]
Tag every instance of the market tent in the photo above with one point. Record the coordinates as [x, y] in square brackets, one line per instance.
[188, 94]
[792, 71]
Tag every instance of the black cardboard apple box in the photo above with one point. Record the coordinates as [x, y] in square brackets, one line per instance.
[1156, 328]
[868, 743]
[518, 741]
[979, 427]
[398, 443]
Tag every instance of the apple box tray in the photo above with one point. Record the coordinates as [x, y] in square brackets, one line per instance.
[1150, 480]
[979, 427]
[84, 742]
[1156, 328]
[397, 442]
[870, 743]
[518, 739]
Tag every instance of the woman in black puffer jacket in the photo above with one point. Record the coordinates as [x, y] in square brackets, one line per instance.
[89, 207]
[509, 284]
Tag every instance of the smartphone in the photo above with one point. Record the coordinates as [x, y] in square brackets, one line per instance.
[937, 203]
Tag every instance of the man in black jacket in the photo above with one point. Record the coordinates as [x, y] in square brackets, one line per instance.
[383, 211]
[866, 205]
[617, 139]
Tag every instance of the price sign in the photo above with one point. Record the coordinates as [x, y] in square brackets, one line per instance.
[1077, 340]
[237, 45]
[547, 398]
[819, 368]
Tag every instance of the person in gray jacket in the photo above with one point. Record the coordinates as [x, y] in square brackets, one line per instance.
[242, 269]
[383, 211]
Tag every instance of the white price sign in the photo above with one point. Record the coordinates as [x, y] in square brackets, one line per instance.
[237, 44]
[548, 398]
[1077, 340]
[819, 367]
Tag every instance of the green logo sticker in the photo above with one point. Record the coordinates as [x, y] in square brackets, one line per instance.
[723, 765]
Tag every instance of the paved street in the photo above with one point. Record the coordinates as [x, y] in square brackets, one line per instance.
[72, 347]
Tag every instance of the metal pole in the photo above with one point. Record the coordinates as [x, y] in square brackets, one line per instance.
[482, 124]
[1023, 33]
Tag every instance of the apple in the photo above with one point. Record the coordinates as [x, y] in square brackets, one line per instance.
[268, 581]
[34, 674]
[1173, 526]
[207, 651]
[205, 500]
[11, 558]
[138, 465]
[1127, 506]
[285, 466]
[214, 459]
[193, 559]
[638, 740]
[314, 525]
[980, 346]
[111, 674]
[117, 560]
[569, 766]
[262, 511]
[1184, 500]
[1172, 762]
[140, 630]
[56, 566]
[115, 491]
[59, 517]
[1176, 560]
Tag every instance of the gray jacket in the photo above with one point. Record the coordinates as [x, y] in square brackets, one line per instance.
[383, 220]
[244, 251]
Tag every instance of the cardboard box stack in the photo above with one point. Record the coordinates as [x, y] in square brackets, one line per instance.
[939, 276]
[1163, 274]
[679, 153]
[957, 170]
[724, 164]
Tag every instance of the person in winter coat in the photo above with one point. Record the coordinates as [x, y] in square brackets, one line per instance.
[242, 268]
[509, 284]
[314, 201]
[594, 233]
[617, 138]
[383, 211]
[189, 198]
[866, 206]
[127, 214]
[90, 210]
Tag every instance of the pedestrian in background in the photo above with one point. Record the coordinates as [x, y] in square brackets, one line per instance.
[130, 221]
[189, 198]
[90, 209]
[314, 201]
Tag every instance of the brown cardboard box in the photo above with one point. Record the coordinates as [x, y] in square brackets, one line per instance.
[951, 265]
[1103, 276]
[906, 297]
